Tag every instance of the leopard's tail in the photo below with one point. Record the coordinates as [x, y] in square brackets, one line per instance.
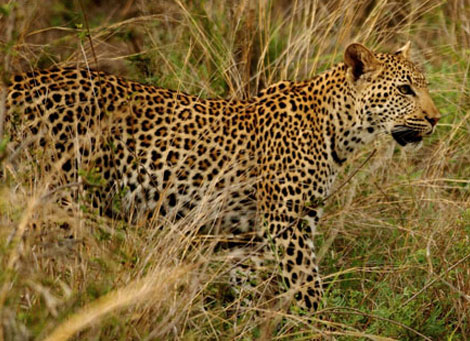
[3, 107]
[3, 118]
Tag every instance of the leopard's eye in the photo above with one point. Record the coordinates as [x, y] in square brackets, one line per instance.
[406, 90]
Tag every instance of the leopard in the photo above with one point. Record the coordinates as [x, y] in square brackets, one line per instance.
[261, 163]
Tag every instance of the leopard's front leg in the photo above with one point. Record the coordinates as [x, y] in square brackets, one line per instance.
[290, 227]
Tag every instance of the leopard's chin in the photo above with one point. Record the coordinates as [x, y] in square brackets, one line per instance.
[405, 135]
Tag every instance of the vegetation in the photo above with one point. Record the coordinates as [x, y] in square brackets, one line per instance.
[394, 242]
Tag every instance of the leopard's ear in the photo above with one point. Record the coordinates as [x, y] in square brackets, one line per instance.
[360, 60]
[404, 51]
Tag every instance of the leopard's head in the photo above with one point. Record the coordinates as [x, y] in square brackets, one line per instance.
[391, 93]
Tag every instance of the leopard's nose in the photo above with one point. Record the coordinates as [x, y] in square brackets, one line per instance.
[430, 112]
[432, 120]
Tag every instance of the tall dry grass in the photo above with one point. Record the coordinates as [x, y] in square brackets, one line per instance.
[394, 243]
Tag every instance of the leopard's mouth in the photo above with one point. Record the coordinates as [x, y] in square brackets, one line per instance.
[405, 135]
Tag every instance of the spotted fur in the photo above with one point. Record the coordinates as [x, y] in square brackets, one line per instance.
[263, 162]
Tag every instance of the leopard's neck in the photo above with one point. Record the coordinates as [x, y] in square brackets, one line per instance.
[345, 127]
